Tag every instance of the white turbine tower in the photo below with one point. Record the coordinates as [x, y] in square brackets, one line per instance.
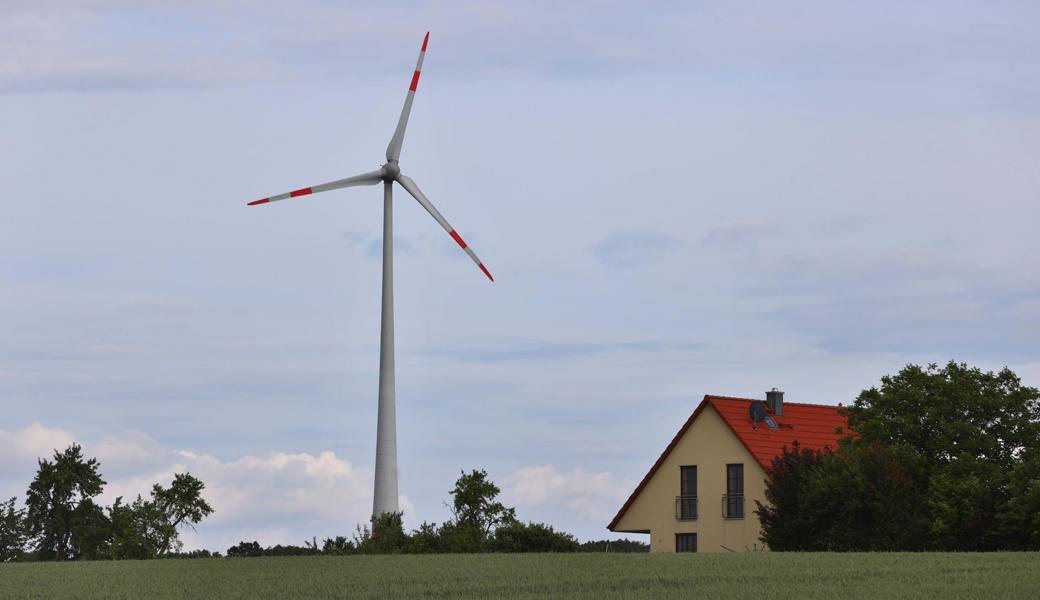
[385, 500]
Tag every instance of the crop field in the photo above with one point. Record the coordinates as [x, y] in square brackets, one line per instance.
[757, 575]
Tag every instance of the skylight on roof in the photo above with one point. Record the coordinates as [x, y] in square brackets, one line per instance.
[771, 422]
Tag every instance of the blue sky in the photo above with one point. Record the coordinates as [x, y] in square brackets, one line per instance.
[675, 199]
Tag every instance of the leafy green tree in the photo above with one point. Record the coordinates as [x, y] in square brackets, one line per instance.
[148, 528]
[863, 498]
[180, 504]
[938, 458]
[945, 414]
[91, 531]
[59, 514]
[476, 511]
[337, 546]
[386, 536]
[783, 522]
[426, 540]
[136, 529]
[12, 531]
[245, 549]
[531, 537]
[970, 429]
[1019, 523]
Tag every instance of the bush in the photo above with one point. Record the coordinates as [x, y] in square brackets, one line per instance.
[245, 549]
[531, 537]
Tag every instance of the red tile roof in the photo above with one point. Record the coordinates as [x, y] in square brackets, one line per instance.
[812, 425]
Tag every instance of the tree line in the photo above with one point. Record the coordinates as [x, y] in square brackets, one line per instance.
[479, 522]
[62, 521]
[937, 458]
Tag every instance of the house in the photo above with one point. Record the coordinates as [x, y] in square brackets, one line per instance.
[700, 494]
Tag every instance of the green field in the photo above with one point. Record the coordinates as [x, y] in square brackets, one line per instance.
[758, 575]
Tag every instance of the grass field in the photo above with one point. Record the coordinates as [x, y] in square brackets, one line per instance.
[758, 575]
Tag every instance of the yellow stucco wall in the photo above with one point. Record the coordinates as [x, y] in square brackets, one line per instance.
[710, 445]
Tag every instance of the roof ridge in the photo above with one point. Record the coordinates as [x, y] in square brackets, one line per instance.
[786, 403]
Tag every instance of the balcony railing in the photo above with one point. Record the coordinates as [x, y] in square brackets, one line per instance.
[733, 506]
[686, 508]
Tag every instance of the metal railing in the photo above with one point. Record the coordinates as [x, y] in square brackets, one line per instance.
[733, 506]
[686, 508]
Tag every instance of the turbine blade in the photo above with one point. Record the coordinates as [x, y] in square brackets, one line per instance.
[393, 151]
[370, 178]
[409, 185]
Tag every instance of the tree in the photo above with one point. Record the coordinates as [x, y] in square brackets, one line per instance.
[937, 459]
[949, 413]
[12, 531]
[91, 531]
[475, 512]
[782, 519]
[531, 537]
[426, 540]
[386, 536]
[148, 528]
[336, 546]
[244, 549]
[1019, 522]
[862, 498]
[60, 516]
[180, 504]
[136, 529]
[971, 430]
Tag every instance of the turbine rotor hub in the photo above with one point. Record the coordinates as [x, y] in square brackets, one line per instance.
[391, 170]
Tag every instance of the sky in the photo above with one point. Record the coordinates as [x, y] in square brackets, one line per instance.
[675, 198]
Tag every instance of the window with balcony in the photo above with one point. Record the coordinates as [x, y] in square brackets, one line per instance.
[686, 501]
[733, 500]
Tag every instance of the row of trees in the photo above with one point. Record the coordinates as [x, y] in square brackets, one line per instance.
[62, 521]
[479, 523]
[940, 459]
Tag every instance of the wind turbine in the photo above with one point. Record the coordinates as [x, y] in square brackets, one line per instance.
[385, 497]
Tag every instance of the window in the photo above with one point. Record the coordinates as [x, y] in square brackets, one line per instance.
[733, 505]
[686, 503]
[686, 542]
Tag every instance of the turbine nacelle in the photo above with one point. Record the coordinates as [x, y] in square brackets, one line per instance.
[391, 171]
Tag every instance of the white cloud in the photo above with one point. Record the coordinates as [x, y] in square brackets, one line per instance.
[584, 493]
[23, 447]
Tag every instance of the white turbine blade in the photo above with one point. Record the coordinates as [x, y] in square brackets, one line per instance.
[393, 151]
[407, 183]
[370, 178]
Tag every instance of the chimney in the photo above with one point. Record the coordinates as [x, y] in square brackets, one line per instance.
[775, 401]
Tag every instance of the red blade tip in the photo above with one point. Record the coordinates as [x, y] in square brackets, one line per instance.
[255, 202]
[425, 41]
[484, 269]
